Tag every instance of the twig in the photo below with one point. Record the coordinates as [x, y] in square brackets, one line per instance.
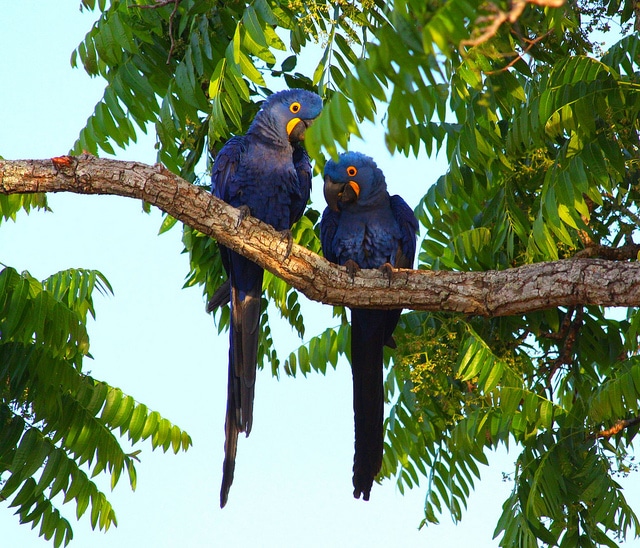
[569, 332]
[617, 427]
[530, 44]
[161, 4]
[499, 17]
[158, 4]
[622, 253]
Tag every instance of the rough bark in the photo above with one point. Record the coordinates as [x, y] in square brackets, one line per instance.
[492, 293]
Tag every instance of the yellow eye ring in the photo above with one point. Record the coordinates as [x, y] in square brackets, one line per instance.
[295, 107]
[352, 171]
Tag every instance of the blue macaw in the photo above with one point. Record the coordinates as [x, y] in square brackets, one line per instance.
[266, 173]
[364, 227]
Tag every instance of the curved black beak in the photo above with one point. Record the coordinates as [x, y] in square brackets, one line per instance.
[336, 193]
[297, 128]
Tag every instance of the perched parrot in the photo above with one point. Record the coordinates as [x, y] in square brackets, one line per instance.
[267, 174]
[364, 227]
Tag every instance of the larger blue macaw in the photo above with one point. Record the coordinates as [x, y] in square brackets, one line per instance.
[266, 173]
[364, 227]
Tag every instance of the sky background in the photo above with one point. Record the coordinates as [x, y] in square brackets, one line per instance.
[154, 340]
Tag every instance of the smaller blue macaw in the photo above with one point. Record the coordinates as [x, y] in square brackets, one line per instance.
[266, 173]
[364, 227]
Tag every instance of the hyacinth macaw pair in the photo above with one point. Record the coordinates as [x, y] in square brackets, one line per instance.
[267, 173]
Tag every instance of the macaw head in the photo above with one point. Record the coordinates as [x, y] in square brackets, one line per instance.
[354, 178]
[288, 113]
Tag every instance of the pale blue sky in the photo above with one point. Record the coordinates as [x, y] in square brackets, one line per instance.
[154, 340]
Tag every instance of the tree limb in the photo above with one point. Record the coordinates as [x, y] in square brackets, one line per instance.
[487, 26]
[172, 18]
[618, 427]
[493, 293]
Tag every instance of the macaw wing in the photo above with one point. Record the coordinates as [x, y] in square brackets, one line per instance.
[302, 166]
[408, 224]
[225, 166]
[328, 228]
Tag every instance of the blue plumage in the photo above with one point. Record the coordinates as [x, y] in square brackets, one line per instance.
[364, 227]
[268, 172]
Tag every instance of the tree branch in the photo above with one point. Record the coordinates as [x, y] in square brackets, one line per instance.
[172, 18]
[493, 293]
[487, 26]
[617, 427]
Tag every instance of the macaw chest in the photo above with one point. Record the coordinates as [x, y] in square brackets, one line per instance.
[268, 189]
[370, 244]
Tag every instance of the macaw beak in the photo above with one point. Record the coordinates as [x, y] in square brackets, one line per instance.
[291, 125]
[296, 128]
[336, 193]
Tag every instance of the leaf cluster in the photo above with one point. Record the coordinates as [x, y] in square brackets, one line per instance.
[58, 425]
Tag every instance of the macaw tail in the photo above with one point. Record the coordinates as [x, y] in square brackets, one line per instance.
[221, 297]
[231, 431]
[246, 295]
[370, 331]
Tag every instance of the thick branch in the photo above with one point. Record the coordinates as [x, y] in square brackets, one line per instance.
[493, 293]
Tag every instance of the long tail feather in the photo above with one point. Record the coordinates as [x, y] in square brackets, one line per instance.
[370, 330]
[231, 431]
[220, 297]
[245, 318]
[246, 292]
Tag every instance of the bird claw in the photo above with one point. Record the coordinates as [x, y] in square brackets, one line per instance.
[352, 267]
[286, 234]
[244, 212]
[388, 271]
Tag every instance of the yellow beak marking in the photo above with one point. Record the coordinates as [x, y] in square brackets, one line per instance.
[291, 124]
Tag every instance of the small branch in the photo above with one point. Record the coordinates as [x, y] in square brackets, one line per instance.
[617, 427]
[571, 282]
[161, 4]
[518, 56]
[158, 4]
[569, 331]
[623, 253]
[487, 26]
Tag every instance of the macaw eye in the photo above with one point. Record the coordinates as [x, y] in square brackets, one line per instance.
[294, 107]
[352, 171]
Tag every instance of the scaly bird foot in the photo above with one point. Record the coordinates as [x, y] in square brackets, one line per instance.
[352, 267]
[286, 234]
[387, 270]
[244, 213]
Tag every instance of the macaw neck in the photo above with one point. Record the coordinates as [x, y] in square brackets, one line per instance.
[374, 201]
[265, 128]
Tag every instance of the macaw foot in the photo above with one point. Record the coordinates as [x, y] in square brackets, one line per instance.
[352, 267]
[286, 234]
[387, 270]
[244, 213]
